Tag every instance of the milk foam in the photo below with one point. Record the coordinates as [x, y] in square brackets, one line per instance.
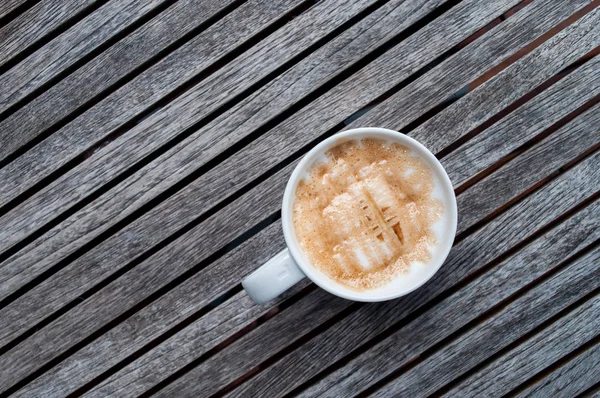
[365, 214]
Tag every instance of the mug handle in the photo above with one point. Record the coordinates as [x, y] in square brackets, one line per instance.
[273, 278]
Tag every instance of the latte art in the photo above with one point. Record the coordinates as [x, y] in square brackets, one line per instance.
[366, 213]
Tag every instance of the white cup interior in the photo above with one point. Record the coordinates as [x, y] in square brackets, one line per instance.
[419, 273]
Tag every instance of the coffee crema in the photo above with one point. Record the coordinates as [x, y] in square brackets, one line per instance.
[366, 213]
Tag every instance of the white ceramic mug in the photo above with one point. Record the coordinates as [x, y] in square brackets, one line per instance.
[291, 265]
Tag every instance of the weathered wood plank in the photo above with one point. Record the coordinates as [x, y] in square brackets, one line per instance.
[222, 369]
[74, 275]
[130, 195]
[111, 66]
[145, 90]
[571, 379]
[112, 311]
[469, 256]
[69, 47]
[140, 275]
[117, 246]
[489, 283]
[35, 23]
[197, 154]
[143, 280]
[128, 373]
[122, 253]
[480, 105]
[8, 6]
[540, 304]
[566, 145]
[533, 117]
[153, 320]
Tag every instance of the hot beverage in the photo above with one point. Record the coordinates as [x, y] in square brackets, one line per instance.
[365, 213]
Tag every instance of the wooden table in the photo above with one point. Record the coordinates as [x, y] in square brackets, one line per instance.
[145, 145]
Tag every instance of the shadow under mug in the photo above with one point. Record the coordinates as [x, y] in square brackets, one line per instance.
[291, 265]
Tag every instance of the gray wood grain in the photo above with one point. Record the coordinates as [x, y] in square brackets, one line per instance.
[378, 316]
[140, 282]
[120, 250]
[106, 69]
[571, 379]
[151, 321]
[29, 308]
[157, 129]
[535, 354]
[140, 277]
[35, 23]
[181, 161]
[8, 6]
[135, 97]
[196, 151]
[313, 310]
[532, 118]
[562, 147]
[509, 85]
[69, 47]
[198, 147]
[469, 256]
[389, 114]
[143, 371]
[517, 319]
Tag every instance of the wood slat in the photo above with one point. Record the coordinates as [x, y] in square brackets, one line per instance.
[57, 294]
[197, 154]
[469, 112]
[387, 115]
[146, 364]
[8, 6]
[75, 273]
[571, 379]
[477, 250]
[106, 70]
[540, 304]
[152, 321]
[568, 144]
[143, 280]
[162, 126]
[521, 123]
[128, 197]
[86, 355]
[533, 355]
[122, 252]
[135, 100]
[81, 40]
[35, 23]
[228, 309]
[525, 266]
[557, 102]
[176, 164]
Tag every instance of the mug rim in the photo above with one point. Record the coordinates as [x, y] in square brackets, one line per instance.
[288, 197]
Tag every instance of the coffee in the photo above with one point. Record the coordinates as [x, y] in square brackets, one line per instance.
[365, 213]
